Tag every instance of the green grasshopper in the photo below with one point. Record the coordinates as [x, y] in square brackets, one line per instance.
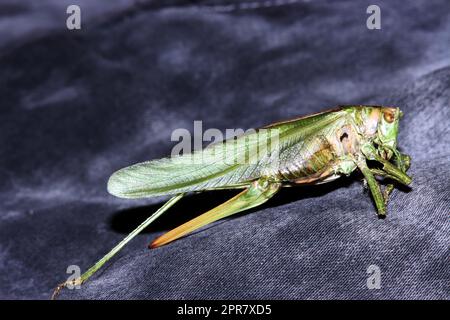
[309, 150]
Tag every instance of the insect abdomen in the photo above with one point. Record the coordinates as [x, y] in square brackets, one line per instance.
[305, 159]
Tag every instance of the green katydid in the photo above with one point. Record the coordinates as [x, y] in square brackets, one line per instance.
[309, 150]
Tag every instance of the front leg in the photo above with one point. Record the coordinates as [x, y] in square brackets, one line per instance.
[370, 153]
[403, 162]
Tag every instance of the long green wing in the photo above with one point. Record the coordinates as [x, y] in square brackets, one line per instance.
[233, 163]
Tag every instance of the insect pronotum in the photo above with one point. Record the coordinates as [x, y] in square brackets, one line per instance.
[309, 150]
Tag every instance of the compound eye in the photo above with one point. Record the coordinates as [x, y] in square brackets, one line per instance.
[389, 116]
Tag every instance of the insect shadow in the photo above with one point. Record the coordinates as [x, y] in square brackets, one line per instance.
[124, 221]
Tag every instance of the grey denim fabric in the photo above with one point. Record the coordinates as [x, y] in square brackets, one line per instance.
[77, 105]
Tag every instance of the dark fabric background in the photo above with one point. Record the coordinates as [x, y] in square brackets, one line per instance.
[77, 105]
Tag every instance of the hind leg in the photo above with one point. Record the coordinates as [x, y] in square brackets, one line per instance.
[256, 194]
